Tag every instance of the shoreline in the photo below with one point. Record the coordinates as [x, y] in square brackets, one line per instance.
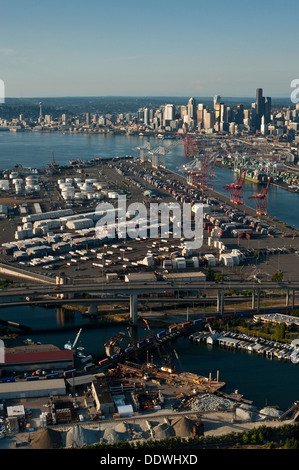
[225, 199]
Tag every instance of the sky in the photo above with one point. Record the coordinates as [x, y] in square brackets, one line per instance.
[148, 48]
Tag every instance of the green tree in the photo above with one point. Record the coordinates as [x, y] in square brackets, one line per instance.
[218, 277]
[277, 277]
[291, 444]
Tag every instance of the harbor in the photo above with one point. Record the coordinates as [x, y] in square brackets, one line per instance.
[113, 373]
[261, 346]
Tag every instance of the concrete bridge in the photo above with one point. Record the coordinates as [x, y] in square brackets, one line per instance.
[72, 292]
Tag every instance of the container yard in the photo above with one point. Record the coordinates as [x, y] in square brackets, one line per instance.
[66, 224]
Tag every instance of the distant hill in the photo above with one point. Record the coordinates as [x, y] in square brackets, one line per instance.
[29, 107]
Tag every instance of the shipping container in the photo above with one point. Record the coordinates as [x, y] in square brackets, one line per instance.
[104, 362]
[150, 339]
[86, 359]
[69, 373]
[52, 376]
[173, 329]
[161, 334]
[8, 379]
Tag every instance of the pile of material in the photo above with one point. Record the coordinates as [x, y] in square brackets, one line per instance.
[140, 431]
[270, 413]
[46, 439]
[78, 436]
[111, 436]
[163, 430]
[211, 402]
[246, 413]
[122, 430]
[183, 427]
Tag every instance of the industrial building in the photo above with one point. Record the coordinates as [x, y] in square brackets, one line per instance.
[102, 396]
[140, 277]
[185, 277]
[276, 318]
[26, 389]
[29, 358]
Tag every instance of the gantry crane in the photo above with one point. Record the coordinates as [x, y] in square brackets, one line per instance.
[260, 200]
[155, 154]
[236, 189]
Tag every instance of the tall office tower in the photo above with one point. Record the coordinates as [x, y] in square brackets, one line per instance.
[146, 116]
[267, 110]
[200, 115]
[184, 111]
[151, 114]
[264, 126]
[217, 109]
[223, 113]
[87, 119]
[140, 114]
[217, 100]
[191, 109]
[260, 107]
[229, 114]
[240, 114]
[169, 112]
[209, 120]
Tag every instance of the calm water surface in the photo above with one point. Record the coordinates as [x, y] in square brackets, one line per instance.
[262, 380]
[34, 149]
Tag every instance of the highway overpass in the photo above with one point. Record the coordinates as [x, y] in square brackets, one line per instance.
[71, 292]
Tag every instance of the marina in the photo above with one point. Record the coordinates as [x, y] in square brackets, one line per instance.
[261, 346]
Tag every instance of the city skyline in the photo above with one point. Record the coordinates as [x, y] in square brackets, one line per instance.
[124, 49]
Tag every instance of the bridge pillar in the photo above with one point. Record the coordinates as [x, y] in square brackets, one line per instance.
[293, 299]
[258, 303]
[133, 308]
[220, 301]
[287, 297]
[253, 300]
[92, 309]
[256, 299]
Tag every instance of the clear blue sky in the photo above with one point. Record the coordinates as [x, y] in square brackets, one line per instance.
[155, 48]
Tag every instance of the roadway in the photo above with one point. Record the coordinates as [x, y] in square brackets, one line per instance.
[140, 288]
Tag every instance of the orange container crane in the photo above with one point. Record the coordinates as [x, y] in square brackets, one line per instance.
[260, 200]
[236, 189]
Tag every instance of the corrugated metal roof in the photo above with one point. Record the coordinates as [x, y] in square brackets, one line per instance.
[42, 356]
[23, 386]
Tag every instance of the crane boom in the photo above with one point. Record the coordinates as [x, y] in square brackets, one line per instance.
[76, 339]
